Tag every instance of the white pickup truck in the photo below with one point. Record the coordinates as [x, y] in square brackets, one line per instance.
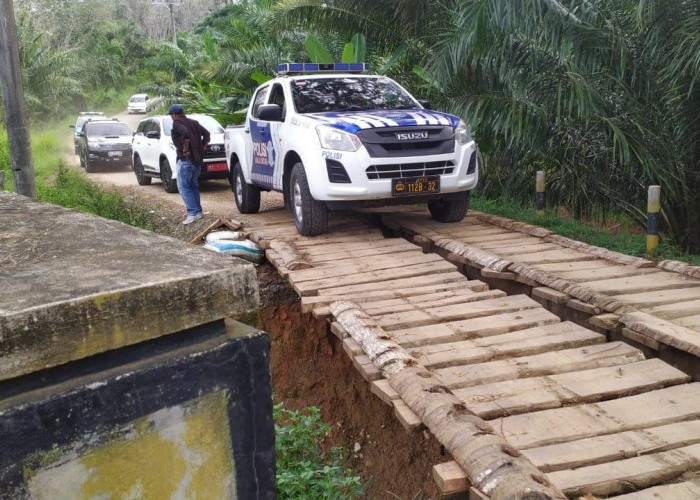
[330, 138]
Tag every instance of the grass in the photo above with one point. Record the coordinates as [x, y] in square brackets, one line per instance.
[60, 185]
[628, 240]
[304, 470]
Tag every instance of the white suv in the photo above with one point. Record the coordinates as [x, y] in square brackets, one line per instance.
[154, 151]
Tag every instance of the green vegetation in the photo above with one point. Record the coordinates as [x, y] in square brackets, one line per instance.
[69, 188]
[304, 470]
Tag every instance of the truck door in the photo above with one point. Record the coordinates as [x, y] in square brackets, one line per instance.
[262, 153]
[277, 130]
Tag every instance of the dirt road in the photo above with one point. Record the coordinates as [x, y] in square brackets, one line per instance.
[217, 198]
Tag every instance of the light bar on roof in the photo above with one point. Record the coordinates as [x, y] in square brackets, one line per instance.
[288, 68]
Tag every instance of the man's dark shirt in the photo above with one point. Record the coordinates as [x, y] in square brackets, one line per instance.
[186, 128]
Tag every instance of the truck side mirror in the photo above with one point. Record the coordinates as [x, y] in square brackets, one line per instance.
[270, 113]
[425, 104]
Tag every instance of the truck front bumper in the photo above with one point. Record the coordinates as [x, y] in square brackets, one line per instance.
[366, 184]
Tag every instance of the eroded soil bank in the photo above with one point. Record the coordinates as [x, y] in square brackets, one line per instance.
[310, 368]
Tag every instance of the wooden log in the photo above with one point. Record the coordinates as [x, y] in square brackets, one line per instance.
[291, 257]
[605, 273]
[641, 472]
[399, 261]
[528, 342]
[409, 420]
[378, 277]
[546, 363]
[476, 305]
[450, 478]
[453, 331]
[492, 465]
[659, 297]
[650, 409]
[532, 394]
[578, 291]
[607, 321]
[521, 227]
[676, 310]
[600, 252]
[663, 331]
[549, 294]
[382, 388]
[645, 283]
[611, 447]
[688, 490]
[680, 268]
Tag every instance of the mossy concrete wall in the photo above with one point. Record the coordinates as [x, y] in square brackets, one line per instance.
[122, 373]
[73, 285]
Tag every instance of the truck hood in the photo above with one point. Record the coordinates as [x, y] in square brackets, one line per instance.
[354, 121]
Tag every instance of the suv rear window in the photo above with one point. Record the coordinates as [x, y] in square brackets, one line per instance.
[93, 128]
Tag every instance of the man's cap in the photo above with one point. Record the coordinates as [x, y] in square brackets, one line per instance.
[176, 109]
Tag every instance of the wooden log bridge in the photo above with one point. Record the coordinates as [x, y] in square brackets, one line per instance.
[574, 377]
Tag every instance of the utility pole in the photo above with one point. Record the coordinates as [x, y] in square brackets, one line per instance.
[13, 103]
[171, 6]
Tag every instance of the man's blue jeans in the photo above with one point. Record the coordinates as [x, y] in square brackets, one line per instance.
[188, 185]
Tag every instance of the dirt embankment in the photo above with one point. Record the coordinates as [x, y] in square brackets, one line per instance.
[310, 367]
[308, 364]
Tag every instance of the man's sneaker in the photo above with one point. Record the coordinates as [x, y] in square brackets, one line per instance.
[191, 218]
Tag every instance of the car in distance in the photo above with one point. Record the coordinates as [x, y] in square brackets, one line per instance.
[104, 142]
[154, 152]
[139, 103]
[82, 118]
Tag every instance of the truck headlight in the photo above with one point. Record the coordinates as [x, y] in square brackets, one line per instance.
[332, 138]
[462, 135]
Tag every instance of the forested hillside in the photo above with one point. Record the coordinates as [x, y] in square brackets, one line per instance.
[600, 94]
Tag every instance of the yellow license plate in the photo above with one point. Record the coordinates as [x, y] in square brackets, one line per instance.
[429, 184]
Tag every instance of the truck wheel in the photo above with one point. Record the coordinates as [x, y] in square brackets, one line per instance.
[310, 216]
[82, 160]
[141, 177]
[88, 167]
[450, 210]
[246, 195]
[166, 176]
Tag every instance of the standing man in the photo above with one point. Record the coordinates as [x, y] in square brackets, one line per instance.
[190, 140]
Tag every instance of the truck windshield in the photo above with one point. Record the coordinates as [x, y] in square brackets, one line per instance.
[96, 129]
[316, 95]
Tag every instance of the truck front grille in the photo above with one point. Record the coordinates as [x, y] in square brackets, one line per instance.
[403, 170]
[408, 141]
[214, 151]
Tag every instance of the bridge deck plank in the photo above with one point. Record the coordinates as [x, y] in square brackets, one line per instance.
[546, 363]
[532, 394]
[650, 409]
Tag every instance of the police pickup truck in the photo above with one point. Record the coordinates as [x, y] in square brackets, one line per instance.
[331, 138]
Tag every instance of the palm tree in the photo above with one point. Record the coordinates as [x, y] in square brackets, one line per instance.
[581, 90]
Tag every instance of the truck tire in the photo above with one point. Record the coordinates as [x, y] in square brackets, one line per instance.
[246, 195]
[453, 210]
[310, 216]
[166, 177]
[141, 177]
[89, 168]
